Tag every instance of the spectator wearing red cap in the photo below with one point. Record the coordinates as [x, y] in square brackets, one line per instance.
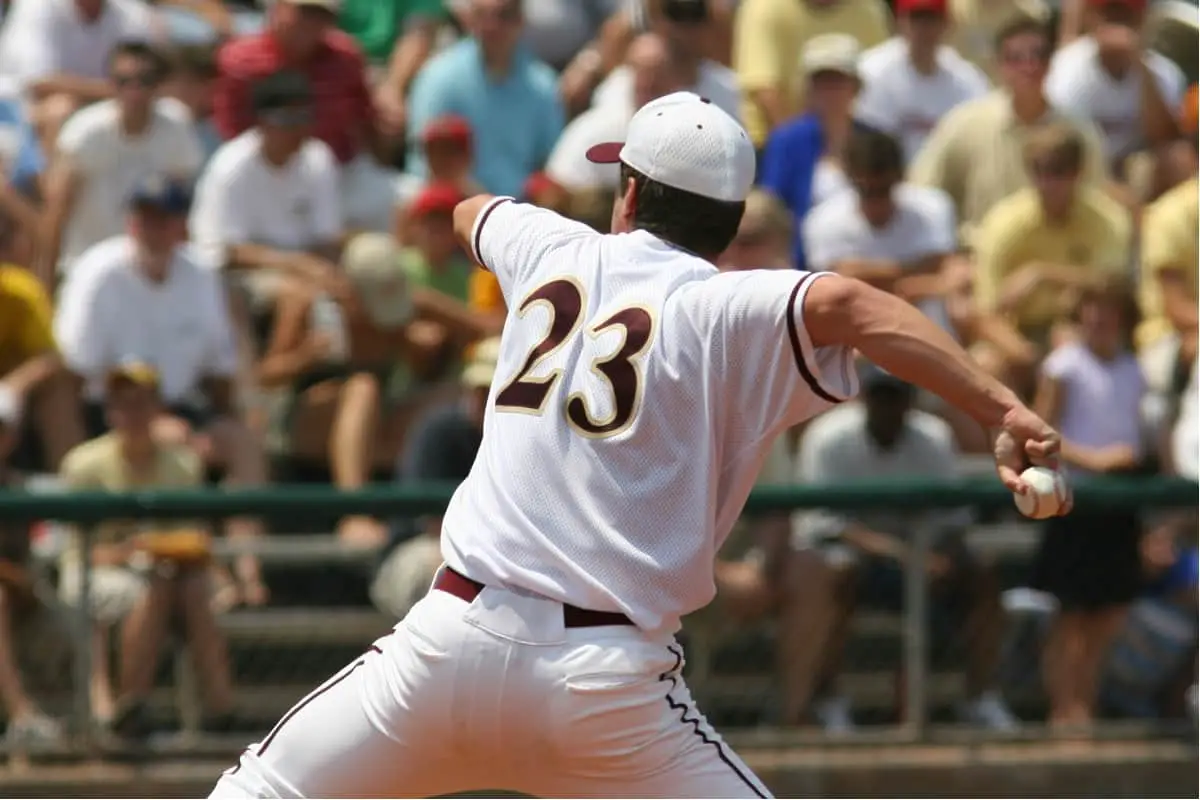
[542, 190]
[1132, 93]
[438, 269]
[912, 81]
[447, 143]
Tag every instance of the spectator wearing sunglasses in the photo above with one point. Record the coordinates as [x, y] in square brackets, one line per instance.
[881, 230]
[105, 149]
[59, 53]
[974, 154]
[267, 208]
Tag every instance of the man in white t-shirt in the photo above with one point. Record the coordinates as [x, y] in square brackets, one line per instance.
[144, 296]
[892, 235]
[882, 436]
[267, 206]
[106, 148]
[911, 81]
[58, 52]
[1132, 94]
[680, 23]
[654, 75]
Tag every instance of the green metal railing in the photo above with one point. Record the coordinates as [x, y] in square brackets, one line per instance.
[983, 493]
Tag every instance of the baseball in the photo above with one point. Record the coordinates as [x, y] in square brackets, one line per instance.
[1048, 495]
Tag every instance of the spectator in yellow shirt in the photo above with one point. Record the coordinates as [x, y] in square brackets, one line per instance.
[769, 36]
[1169, 256]
[1038, 246]
[133, 586]
[975, 152]
[30, 367]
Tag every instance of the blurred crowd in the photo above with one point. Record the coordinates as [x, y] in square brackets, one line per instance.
[226, 255]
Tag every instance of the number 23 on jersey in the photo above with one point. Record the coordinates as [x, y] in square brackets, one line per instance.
[565, 300]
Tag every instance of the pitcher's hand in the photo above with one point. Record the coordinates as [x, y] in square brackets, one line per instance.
[1023, 440]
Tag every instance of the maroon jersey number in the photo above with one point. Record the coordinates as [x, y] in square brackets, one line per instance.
[564, 298]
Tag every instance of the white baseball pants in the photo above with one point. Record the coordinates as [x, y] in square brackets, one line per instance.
[497, 694]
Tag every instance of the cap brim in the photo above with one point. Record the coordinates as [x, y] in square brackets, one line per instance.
[605, 153]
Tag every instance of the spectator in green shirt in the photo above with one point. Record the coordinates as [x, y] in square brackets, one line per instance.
[439, 272]
[396, 36]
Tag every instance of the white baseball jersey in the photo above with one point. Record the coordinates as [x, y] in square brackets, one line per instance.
[637, 393]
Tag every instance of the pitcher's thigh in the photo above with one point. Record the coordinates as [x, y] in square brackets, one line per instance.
[331, 745]
[685, 757]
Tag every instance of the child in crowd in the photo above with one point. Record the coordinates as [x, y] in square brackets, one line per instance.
[1091, 389]
[448, 144]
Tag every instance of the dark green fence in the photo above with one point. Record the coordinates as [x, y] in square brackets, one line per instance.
[1153, 492]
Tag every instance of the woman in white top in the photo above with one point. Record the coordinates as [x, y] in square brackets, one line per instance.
[1091, 390]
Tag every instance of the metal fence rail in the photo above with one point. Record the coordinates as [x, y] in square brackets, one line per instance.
[417, 499]
[981, 493]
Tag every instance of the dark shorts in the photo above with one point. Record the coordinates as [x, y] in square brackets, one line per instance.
[96, 424]
[1090, 559]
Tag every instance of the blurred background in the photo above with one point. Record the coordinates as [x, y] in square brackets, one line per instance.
[227, 261]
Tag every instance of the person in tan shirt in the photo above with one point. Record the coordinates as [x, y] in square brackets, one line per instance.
[768, 38]
[129, 586]
[975, 152]
[1168, 268]
[1035, 248]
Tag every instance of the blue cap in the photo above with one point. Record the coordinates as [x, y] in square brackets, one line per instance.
[161, 193]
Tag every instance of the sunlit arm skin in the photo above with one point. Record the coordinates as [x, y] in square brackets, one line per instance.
[900, 339]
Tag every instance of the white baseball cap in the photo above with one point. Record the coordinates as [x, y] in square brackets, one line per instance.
[372, 263]
[684, 141]
[831, 52]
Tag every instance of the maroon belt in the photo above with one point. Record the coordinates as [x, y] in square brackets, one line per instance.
[464, 588]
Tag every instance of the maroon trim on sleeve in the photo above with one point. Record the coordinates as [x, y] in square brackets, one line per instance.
[794, 335]
[483, 218]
